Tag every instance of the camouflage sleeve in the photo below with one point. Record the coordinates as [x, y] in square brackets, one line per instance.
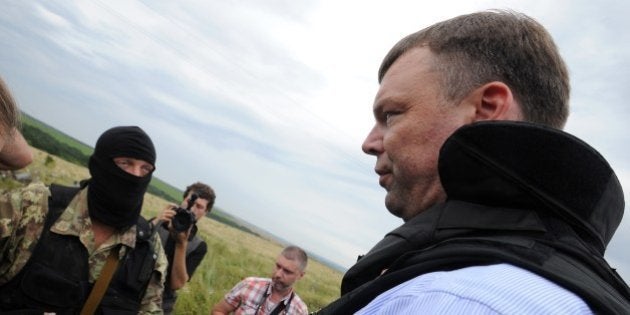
[7, 214]
[152, 300]
[22, 215]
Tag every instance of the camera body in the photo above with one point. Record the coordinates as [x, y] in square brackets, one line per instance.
[184, 218]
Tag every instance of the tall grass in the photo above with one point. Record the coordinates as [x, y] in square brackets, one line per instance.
[233, 254]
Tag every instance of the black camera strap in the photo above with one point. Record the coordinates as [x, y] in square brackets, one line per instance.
[281, 306]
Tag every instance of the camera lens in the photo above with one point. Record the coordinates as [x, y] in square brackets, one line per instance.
[183, 219]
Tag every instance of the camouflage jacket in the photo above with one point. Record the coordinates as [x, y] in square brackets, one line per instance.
[22, 215]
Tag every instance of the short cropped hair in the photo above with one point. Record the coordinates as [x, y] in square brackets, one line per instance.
[293, 252]
[203, 191]
[474, 49]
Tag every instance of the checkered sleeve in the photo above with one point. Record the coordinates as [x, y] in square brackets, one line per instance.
[235, 295]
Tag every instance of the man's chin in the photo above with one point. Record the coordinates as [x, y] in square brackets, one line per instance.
[279, 286]
[393, 206]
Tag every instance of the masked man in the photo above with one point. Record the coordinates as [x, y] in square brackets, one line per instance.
[67, 249]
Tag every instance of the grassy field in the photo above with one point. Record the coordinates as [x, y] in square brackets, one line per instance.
[232, 253]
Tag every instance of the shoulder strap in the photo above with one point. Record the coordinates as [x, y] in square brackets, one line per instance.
[98, 291]
[60, 197]
[281, 306]
[145, 233]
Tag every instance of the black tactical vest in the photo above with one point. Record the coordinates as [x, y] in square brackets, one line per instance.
[55, 279]
[456, 235]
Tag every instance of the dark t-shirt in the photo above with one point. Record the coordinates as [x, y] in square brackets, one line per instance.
[193, 259]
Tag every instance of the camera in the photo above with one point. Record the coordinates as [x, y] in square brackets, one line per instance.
[184, 218]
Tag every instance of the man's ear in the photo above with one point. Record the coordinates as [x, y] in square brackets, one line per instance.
[495, 101]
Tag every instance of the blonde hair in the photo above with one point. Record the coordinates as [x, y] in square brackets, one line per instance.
[9, 111]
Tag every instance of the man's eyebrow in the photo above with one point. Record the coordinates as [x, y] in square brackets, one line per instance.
[378, 107]
[386, 101]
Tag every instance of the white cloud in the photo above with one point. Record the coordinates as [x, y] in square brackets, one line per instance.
[52, 18]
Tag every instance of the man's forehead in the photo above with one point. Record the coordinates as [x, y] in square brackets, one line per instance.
[202, 202]
[287, 262]
[403, 74]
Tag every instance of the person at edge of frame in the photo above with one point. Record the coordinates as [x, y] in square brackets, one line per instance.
[503, 212]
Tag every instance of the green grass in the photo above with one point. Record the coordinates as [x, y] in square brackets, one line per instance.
[233, 253]
[234, 256]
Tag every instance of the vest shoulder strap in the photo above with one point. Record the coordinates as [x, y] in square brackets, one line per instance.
[60, 197]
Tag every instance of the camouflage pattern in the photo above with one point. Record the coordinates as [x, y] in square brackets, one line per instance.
[22, 214]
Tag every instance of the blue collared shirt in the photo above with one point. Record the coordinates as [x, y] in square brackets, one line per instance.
[494, 289]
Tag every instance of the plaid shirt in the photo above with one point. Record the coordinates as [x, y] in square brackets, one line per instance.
[251, 295]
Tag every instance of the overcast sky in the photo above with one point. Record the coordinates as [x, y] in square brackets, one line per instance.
[269, 101]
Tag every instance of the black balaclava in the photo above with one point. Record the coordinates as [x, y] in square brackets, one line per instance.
[115, 196]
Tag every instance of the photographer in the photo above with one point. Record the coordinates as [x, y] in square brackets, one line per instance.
[177, 229]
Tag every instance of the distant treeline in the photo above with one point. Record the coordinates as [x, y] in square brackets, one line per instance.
[40, 136]
[43, 141]
[223, 219]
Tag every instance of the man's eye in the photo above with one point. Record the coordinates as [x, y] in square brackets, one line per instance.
[122, 162]
[389, 115]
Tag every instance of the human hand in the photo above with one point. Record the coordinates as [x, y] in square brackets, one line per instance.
[181, 238]
[166, 215]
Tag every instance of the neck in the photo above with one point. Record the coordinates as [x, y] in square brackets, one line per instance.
[277, 295]
[101, 232]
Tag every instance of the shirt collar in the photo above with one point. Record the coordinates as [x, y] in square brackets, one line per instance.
[284, 299]
[75, 220]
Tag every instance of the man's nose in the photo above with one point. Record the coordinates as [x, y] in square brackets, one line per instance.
[373, 143]
[136, 170]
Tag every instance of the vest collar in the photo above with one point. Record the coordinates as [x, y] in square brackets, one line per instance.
[527, 166]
